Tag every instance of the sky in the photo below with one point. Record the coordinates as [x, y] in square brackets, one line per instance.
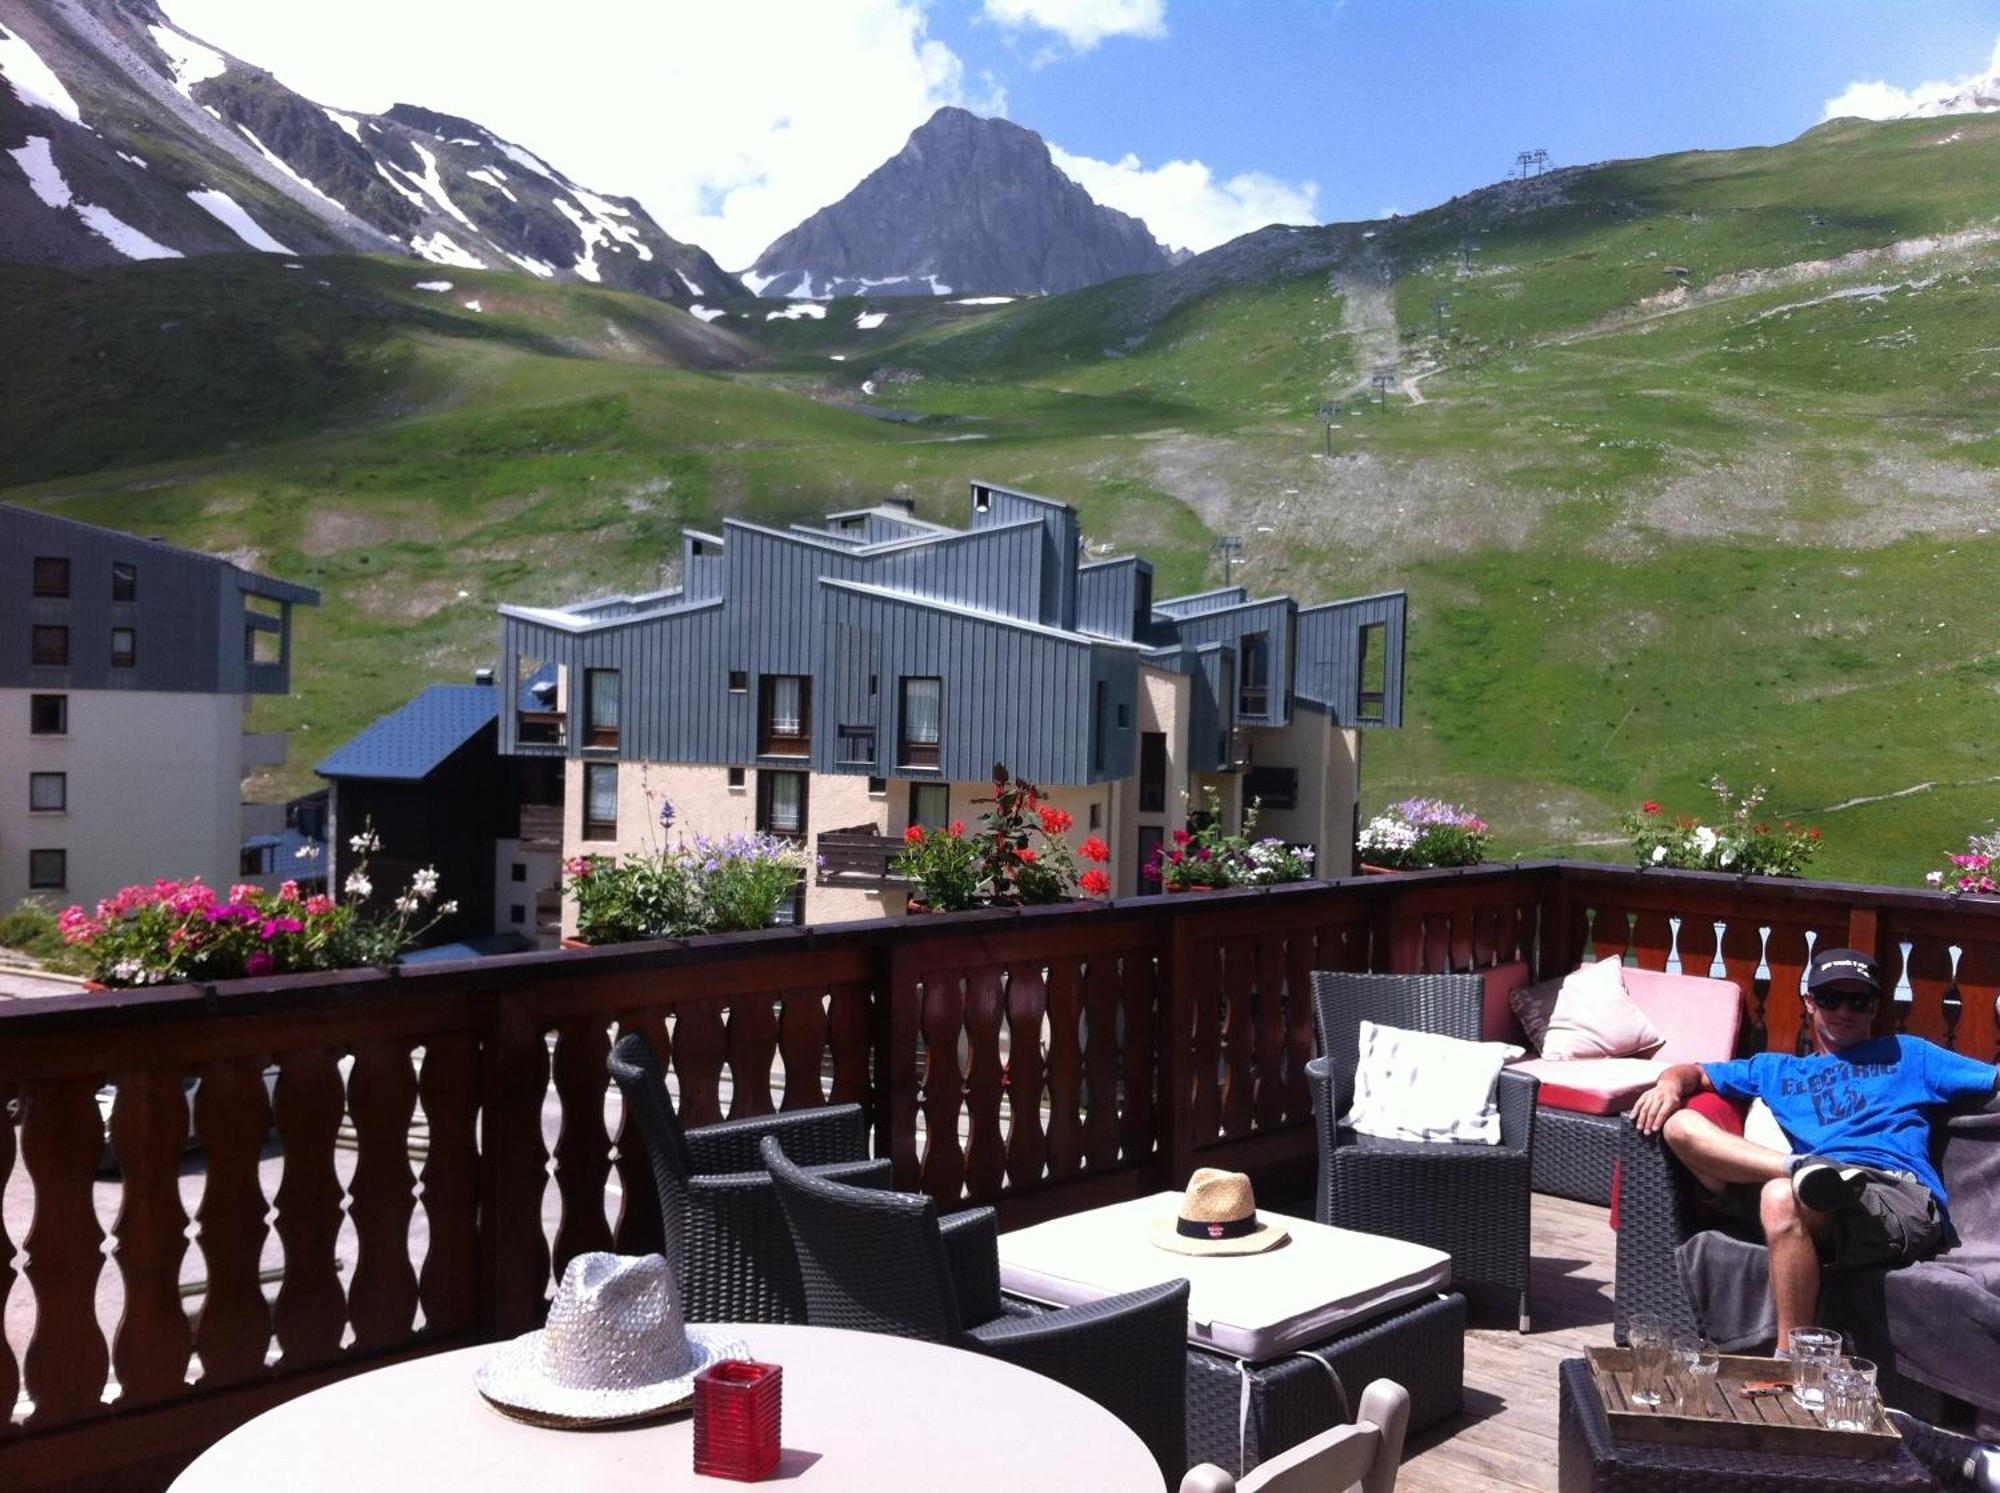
[1207, 118]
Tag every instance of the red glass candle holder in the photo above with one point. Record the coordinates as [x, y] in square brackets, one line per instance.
[737, 1416]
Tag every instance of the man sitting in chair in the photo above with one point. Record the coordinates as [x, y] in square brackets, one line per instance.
[1861, 1189]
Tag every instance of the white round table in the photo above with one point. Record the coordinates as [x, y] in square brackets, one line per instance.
[861, 1412]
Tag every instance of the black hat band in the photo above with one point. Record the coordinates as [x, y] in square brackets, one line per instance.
[1233, 1228]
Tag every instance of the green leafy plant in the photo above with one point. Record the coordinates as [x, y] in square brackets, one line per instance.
[1742, 843]
[1020, 856]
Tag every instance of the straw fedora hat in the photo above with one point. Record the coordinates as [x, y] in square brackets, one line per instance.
[1218, 1216]
[615, 1348]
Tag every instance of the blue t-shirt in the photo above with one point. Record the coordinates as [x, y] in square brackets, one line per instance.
[1867, 1105]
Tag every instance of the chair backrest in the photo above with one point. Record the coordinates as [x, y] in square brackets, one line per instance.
[871, 1261]
[1450, 1005]
[635, 1067]
[1698, 1015]
[1364, 1455]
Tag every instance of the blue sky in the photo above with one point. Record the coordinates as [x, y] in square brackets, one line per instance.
[1206, 118]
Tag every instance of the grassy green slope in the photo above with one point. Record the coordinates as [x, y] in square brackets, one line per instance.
[1736, 529]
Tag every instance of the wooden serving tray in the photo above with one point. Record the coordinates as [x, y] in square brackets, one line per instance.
[1727, 1419]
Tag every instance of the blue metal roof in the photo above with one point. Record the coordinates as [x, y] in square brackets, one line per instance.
[408, 744]
[484, 946]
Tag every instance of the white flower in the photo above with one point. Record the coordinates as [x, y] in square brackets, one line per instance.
[1726, 857]
[1934, 878]
[1659, 854]
[424, 884]
[127, 969]
[1706, 839]
[364, 842]
[306, 853]
[446, 909]
[407, 903]
[358, 885]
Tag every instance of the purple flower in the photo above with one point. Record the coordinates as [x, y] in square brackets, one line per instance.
[259, 963]
[666, 813]
[274, 926]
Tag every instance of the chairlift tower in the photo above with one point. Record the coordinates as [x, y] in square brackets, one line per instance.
[1329, 413]
[1229, 546]
[1537, 159]
[1382, 381]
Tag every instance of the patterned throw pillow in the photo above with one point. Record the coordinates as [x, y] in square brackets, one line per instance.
[1424, 1087]
[1533, 1005]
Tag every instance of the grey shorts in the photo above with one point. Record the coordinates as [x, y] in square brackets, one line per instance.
[1894, 1222]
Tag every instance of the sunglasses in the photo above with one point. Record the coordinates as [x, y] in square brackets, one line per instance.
[1833, 1000]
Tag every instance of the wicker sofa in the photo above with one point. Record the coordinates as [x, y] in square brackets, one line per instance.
[1582, 1101]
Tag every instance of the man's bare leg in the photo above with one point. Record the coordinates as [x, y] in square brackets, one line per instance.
[1792, 1231]
[1718, 1158]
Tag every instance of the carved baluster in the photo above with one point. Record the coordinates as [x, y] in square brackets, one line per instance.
[582, 1149]
[1269, 1104]
[1100, 1061]
[700, 1047]
[1136, 1058]
[450, 1087]
[62, 1140]
[1742, 952]
[382, 1098]
[1065, 1067]
[802, 1029]
[1459, 940]
[149, 1134]
[1303, 954]
[1204, 986]
[1239, 1035]
[1978, 1033]
[1027, 1006]
[1652, 939]
[1696, 944]
[311, 1311]
[10, 1373]
[942, 1088]
[985, 1084]
[1929, 970]
[232, 1115]
[753, 1044]
[905, 1063]
[852, 1042]
[1785, 1021]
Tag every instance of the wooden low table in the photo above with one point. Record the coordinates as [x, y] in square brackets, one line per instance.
[1593, 1460]
[1280, 1344]
[861, 1411]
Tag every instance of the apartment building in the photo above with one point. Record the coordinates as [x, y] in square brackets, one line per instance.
[126, 669]
[841, 681]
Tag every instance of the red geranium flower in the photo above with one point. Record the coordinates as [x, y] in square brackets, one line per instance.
[914, 835]
[1181, 837]
[1094, 849]
[1028, 856]
[1095, 882]
[1056, 821]
[1649, 807]
[958, 827]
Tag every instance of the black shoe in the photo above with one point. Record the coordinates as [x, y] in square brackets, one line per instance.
[1828, 1186]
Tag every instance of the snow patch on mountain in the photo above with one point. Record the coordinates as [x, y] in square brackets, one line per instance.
[441, 248]
[693, 289]
[757, 282]
[797, 310]
[491, 179]
[46, 180]
[135, 160]
[34, 82]
[346, 121]
[225, 210]
[868, 321]
[415, 198]
[438, 287]
[985, 300]
[541, 269]
[936, 287]
[191, 61]
[706, 313]
[279, 161]
[525, 158]
[430, 183]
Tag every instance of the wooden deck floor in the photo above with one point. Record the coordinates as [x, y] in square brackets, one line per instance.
[1507, 1436]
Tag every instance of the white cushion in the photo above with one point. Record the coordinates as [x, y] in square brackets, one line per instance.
[1421, 1086]
[1321, 1282]
[1595, 1018]
[1761, 1126]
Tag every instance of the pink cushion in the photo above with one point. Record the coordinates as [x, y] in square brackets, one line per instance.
[1595, 1018]
[1592, 1086]
[1698, 1016]
[1497, 1023]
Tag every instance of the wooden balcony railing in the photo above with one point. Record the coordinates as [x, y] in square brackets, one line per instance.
[541, 727]
[857, 857]
[404, 1158]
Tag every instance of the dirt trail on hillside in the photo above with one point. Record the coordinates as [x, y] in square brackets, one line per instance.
[1367, 315]
[1740, 283]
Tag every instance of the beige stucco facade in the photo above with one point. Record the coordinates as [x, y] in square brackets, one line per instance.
[153, 784]
[1328, 760]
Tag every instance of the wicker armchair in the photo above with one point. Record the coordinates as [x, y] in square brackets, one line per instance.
[723, 1231]
[1365, 1455]
[885, 1262]
[1471, 1201]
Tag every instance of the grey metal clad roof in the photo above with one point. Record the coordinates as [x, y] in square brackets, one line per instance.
[998, 619]
[257, 585]
[408, 744]
[1202, 601]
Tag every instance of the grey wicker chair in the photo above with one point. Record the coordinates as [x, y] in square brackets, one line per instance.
[722, 1229]
[1472, 1201]
[885, 1262]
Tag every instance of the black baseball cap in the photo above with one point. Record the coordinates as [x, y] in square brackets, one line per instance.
[1844, 967]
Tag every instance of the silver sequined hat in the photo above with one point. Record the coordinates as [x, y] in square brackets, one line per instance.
[615, 1347]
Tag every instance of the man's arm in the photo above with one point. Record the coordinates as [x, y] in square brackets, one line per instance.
[1676, 1086]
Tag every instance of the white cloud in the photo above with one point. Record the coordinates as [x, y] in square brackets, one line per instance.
[728, 140]
[1880, 100]
[1082, 23]
[1184, 204]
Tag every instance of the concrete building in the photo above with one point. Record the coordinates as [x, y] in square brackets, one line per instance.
[841, 681]
[126, 669]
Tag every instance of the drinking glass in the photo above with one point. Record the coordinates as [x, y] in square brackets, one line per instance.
[1698, 1363]
[1652, 1348]
[1850, 1395]
[1813, 1348]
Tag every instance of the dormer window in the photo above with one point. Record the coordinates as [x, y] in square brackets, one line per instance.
[787, 716]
